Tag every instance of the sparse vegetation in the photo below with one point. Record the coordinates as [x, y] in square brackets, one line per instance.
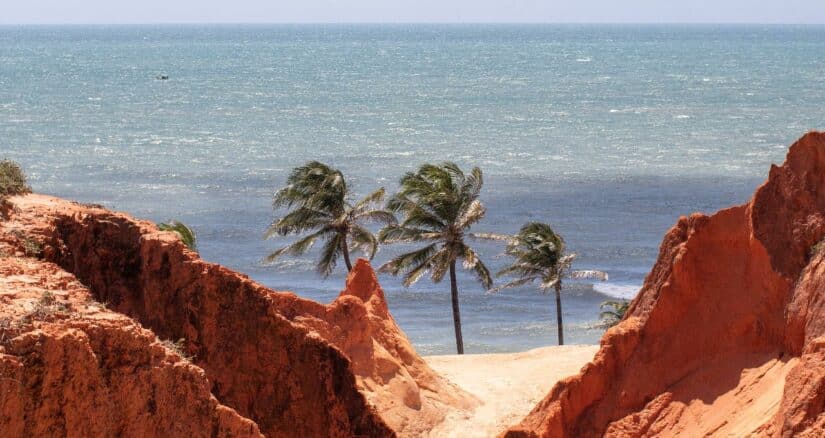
[612, 312]
[179, 347]
[185, 234]
[816, 248]
[12, 182]
[31, 247]
[45, 307]
[12, 179]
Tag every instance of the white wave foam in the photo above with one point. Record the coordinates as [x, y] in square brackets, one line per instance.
[623, 291]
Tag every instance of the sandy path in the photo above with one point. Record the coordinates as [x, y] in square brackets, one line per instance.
[509, 385]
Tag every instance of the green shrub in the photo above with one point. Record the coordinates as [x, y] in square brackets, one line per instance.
[12, 179]
[31, 247]
[185, 234]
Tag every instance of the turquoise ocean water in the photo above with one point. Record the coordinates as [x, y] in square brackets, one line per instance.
[607, 132]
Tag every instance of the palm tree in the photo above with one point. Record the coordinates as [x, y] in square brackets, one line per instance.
[613, 312]
[540, 255]
[184, 233]
[440, 204]
[318, 201]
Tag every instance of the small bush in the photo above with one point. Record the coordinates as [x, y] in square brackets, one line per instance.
[178, 347]
[31, 247]
[185, 234]
[12, 179]
[45, 307]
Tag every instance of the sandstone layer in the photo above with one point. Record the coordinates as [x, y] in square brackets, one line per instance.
[88, 295]
[726, 337]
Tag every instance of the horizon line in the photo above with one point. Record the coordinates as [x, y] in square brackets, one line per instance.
[390, 23]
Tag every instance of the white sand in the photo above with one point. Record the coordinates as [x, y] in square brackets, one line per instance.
[508, 384]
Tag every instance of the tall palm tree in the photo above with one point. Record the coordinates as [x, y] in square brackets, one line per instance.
[318, 201]
[440, 204]
[540, 255]
[185, 234]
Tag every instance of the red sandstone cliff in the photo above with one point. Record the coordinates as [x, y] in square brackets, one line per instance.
[727, 335]
[257, 361]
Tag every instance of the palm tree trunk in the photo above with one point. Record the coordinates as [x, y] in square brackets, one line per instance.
[459, 341]
[558, 313]
[345, 249]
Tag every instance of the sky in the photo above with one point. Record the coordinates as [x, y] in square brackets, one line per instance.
[415, 11]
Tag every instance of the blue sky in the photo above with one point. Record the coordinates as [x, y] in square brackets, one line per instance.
[430, 11]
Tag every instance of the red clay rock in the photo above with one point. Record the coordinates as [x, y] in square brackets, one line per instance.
[727, 318]
[70, 367]
[293, 366]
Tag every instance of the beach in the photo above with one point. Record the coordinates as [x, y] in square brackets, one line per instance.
[508, 384]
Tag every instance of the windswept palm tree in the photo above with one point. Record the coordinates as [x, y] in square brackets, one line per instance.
[612, 312]
[540, 256]
[318, 201]
[440, 204]
[185, 234]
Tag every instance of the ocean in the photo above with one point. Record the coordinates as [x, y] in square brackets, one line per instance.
[607, 132]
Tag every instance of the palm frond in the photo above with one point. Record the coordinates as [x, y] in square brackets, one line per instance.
[470, 214]
[398, 233]
[440, 264]
[588, 274]
[329, 254]
[492, 236]
[298, 247]
[363, 240]
[408, 261]
[314, 185]
[515, 283]
[417, 214]
[521, 269]
[473, 262]
[298, 221]
[380, 216]
[549, 283]
[439, 204]
[367, 202]
[473, 182]
[413, 275]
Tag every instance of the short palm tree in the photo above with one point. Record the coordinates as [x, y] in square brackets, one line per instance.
[185, 234]
[318, 201]
[540, 255]
[440, 204]
[612, 312]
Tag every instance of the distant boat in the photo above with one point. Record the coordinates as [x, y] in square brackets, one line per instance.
[162, 77]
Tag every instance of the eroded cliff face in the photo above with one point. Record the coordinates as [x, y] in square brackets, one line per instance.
[70, 367]
[268, 362]
[726, 335]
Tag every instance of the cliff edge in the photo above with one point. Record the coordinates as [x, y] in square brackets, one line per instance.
[109, 327]
[726, 337]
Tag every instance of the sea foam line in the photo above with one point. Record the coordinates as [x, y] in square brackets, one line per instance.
[622, 291]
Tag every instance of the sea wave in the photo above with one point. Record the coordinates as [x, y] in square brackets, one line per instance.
[623, 291]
